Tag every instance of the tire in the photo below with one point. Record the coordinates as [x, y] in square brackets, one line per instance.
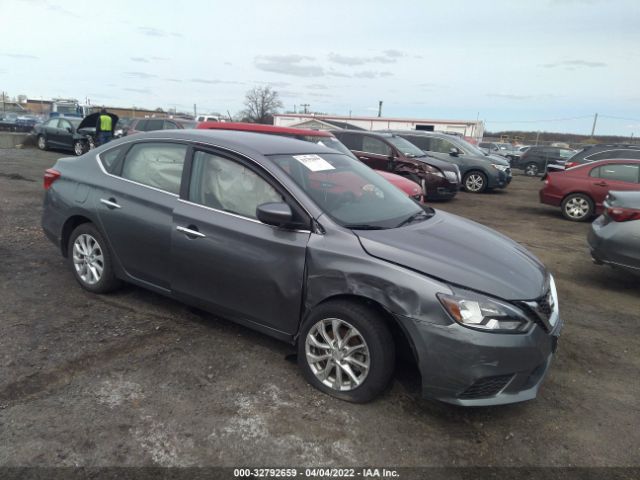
[41, 142]
[79, 148]
[474, 182]
[577, 207]
[88, 252]
[531, 169]
[371, 344]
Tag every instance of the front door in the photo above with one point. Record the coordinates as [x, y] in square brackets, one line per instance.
[227, 260]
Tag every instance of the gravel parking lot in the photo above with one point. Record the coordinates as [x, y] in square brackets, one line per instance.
[134, 378]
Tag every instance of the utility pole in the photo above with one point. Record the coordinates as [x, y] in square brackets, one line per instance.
[305, 106]
[593, 129]
[379, 108]
[537, 137]
[4, 103]
[195, 111]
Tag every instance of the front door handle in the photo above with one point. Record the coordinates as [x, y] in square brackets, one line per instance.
[111, 203]
[601, 184]
[190, 232]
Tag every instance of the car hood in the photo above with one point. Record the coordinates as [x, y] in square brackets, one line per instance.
[461, 252]
[92, 120]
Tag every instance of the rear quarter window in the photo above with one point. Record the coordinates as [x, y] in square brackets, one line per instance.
[110, 157]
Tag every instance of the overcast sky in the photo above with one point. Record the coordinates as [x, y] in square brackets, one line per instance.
[533, 65]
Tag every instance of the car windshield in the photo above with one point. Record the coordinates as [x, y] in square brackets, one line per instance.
[469, 147]
[406, 147]
[349, 192]
[330, 142]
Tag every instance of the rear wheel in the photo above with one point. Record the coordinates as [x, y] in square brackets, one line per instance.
[78, 147]
[531, 169]
[475, 182]
[346, 350]
[91, 260]
[577, 207]
[42, 142]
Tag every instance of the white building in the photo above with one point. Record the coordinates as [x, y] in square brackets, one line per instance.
[467, 128]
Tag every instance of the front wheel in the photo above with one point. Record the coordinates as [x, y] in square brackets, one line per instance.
[79, 147]
[346, 350]
[577, 207]
[42, 142]
[531, 170]
[475, 182]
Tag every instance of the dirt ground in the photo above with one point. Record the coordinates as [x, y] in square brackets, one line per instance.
[134, 378]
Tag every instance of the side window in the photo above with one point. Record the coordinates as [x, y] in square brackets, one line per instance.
[375, 145]
[441, 146]
[351, 141]
[53, 123]
[595, 172]
[169, 125]
[620, 172]
[227, 185]
[141, 126]
[566, 153]
[63, 124]
[157, 165]
[154, 125]
[109, 158]
[423, 143]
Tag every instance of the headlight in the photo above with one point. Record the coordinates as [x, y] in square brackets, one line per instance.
[479, 312]
[502, 168]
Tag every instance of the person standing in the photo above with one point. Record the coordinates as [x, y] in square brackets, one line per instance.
[104, 127]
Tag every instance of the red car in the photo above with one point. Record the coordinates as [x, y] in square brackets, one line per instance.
[411, 188]
[580, 191]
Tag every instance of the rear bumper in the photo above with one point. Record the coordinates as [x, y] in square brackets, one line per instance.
[550, 198]
[465, 367]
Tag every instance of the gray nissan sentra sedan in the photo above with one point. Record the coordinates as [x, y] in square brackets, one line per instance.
[309, 246]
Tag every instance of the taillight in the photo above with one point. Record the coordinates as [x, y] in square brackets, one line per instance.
[50, 176]
[619, 214]
[570, 165]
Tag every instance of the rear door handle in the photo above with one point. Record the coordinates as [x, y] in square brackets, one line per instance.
[190, 232]
[601, 184]
[111, 203]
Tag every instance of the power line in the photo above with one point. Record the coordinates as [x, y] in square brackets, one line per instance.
[621, 118]
[539, 121]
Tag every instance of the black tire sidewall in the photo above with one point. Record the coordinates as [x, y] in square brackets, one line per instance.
[474, 172]
[380, 343]
[577, 195]
[108, 281]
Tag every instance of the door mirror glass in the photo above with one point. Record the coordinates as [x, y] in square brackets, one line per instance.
[274, 213]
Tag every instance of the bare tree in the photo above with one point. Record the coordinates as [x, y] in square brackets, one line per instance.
[261, 103]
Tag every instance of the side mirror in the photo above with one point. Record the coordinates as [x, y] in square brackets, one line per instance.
[454, 152]
[69, 129]
[274, 213]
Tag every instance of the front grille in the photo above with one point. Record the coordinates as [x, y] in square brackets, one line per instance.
[486, 387]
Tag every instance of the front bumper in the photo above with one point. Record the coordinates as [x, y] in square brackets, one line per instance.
[607, 245]
[441, 190]
[466, 367]
[500, 179]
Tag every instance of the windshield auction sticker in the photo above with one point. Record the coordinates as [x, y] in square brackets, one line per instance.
[315, 163]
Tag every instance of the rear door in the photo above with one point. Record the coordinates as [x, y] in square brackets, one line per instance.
[226, 259]
[613, 176]
[136, 205]
[50, 130]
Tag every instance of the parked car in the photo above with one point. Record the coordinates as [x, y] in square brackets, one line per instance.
[604, 151]
[64, 133]
[322, 137]
[387, 151]
[121, 127]
[580, 191]
[207, 118]
[247, 226]
[479, 171]
[614, 237]
[536, 159]
[138, 125]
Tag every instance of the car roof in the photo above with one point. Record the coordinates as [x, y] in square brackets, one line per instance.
[368, 132]
[246, 143]
[258, 127]
[424, 133]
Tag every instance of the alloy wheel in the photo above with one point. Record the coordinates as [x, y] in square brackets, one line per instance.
[42, 142]
[531, 170]
[577, 208]
[78, 148]
[474, 182]
[337, 354]
[88, 259]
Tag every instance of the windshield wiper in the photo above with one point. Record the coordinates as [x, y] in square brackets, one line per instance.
[415, 217]
[364, 226]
